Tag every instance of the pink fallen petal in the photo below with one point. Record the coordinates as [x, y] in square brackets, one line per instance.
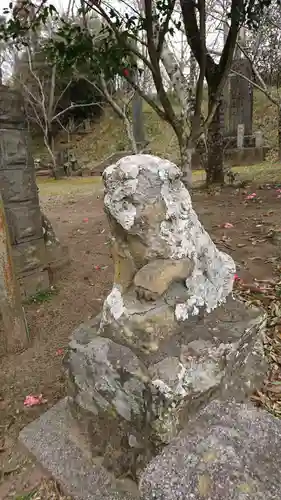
[34, 400]
[227, 225]
[236, 277]
[251, 196]
[59, 352]
[97, 268]
[86, 219]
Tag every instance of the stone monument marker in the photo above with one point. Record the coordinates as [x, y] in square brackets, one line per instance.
[170, 339]
[240, 135]
[240, 148]
[259, 139]
[241, 98]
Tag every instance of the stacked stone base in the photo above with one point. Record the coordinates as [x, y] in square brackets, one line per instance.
[218, 447]
[129, 405]
[229, 452]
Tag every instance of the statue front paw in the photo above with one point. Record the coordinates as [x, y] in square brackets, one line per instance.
[144, 294]
[154, 279]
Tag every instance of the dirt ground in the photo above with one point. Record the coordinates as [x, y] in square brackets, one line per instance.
[77, 214]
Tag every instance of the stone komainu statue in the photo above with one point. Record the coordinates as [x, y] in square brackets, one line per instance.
[170, 336]
[161, 251]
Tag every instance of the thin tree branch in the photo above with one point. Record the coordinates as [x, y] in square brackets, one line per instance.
[262, 89]
[163, 30]
[202, 65]
[72, 106]
[62, 94]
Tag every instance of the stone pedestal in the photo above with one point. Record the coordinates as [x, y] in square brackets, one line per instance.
[129, 403]
[229, 452]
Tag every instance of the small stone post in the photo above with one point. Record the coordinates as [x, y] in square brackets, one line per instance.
[15, 332]
[259, 142]
[240, 135]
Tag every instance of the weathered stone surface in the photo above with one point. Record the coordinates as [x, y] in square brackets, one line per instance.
[170, 337]
[19, 193]
[29, 255]
[20, 196]
[24, 219]
[151, 217]
[230, 452]
[11, 108]
[56, 254]
[129, 405]
[13, 149]
[34, 282]
[19, 185]
[241, 98]
[52, 439]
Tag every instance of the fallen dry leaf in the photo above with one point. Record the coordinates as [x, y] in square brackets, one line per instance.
[269, 397]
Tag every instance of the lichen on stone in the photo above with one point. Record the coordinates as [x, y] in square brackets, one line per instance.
[136, 183]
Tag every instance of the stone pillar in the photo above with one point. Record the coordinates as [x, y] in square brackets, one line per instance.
[241, 98]
[20, 195]
[259, 141]
[240, 135]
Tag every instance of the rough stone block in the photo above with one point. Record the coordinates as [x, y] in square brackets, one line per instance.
[52, 439]
[144, 399]
[245, 156]
[13, 149]
[11, 107]
[24, 221]
[34, 282]
[229, 452]
[18, 185]
[57, 255]
[28, 256]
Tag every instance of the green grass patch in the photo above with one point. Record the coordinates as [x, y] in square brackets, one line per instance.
[27, 496]
[42, 296]
[70, 181]
[260, 173]
[68, 186]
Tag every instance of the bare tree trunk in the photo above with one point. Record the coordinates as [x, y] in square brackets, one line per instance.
[137, 116]
[186, 152]
[121, 113]
[50, 145]
[279, 133]
[138, 122]
[15, 333]
[214, 166]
